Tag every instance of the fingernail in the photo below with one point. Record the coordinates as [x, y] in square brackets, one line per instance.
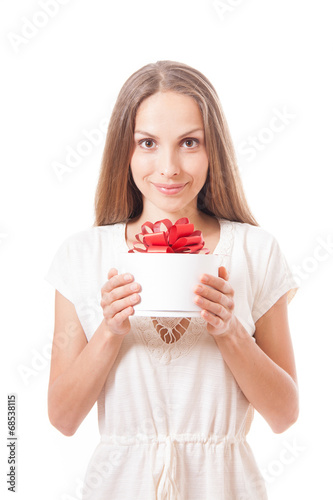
[204, 278]
[127, 277]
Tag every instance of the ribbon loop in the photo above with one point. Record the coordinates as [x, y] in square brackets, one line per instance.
[179, 237]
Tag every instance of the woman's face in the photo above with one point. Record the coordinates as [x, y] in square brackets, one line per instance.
[169, 162]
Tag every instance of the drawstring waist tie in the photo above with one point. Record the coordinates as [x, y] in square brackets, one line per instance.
[167, 488]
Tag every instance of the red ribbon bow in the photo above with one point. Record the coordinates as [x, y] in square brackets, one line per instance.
[177, 238]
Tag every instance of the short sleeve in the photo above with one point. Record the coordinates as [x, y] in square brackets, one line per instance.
[58, 274]
[276, 279]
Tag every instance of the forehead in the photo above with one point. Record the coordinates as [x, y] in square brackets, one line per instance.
[165, 108]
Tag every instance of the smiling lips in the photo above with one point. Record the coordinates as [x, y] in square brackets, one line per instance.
[169, 188]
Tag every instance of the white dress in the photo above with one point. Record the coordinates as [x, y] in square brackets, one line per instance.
[172, 418]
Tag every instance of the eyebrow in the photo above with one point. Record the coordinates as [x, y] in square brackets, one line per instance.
[142, 132]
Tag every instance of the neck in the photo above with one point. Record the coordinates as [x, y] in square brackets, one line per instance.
[197, 218]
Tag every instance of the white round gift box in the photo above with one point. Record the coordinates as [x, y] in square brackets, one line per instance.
[167, 281]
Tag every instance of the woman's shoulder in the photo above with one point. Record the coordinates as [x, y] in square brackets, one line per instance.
[249, 232]
[255, 242]
[93, 237]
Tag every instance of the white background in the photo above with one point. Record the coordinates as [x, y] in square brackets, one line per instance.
[261, 56]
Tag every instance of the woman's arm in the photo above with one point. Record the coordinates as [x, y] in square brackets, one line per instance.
[79, 368]
[265, 369]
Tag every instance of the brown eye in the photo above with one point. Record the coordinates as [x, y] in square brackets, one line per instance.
[147, 143]
[191, 143]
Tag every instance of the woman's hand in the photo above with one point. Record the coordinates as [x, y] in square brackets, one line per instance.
[217, 303]
[119, 295]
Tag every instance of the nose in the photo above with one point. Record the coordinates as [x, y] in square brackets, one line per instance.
[168, 163]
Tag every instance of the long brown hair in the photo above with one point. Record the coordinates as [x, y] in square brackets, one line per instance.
[117, 198]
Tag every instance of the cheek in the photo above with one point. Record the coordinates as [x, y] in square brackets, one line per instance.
[198, 167]
[140, 166]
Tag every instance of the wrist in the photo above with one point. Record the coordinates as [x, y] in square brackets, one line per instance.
[109, 335]
[234, 336]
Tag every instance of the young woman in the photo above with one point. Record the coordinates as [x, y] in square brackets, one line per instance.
[175, 396]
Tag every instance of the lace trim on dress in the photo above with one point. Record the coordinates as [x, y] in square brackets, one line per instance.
[171, 329]
[159, 349]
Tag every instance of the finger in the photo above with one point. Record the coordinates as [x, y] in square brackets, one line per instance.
[107, 285]
[116, 280]
[219, 299]
[208, 293]
[218, 283]
[117, 306]
[119, 292]
[214, 295]
[120, 317]
[112, 272]
[213, 320]
[119, 320]
[223, 273]
[215, 308]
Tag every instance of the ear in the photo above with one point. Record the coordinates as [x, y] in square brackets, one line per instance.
[223, 273]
